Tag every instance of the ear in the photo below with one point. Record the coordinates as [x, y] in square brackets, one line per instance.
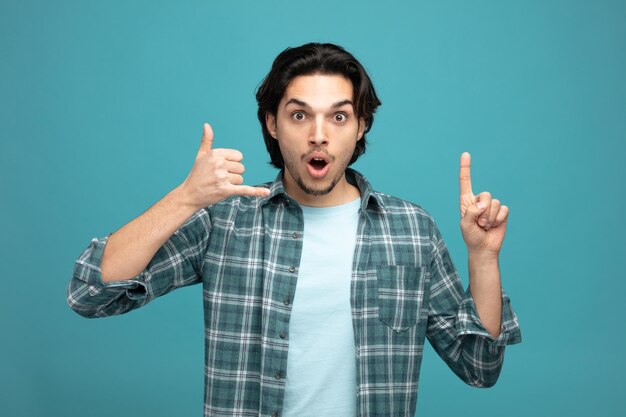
[361, 128]
[270, 124]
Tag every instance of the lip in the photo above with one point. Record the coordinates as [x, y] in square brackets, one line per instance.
[317, 155]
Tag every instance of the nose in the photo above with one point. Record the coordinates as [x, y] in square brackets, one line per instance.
[318, 134]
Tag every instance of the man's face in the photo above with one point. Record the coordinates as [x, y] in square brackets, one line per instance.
[317, 130]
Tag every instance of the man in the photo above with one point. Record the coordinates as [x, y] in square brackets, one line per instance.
[318, 291]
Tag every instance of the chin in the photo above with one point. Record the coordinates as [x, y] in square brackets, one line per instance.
[317, 191]
[317, 187]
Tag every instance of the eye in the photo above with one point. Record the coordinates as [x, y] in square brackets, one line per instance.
[298, 116]
[340, 117]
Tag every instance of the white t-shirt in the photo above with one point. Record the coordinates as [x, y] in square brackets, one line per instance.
[321, 363]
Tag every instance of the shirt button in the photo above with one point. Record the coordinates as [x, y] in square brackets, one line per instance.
[295, 235]
[286, 301]
[283, 334]
[292, 269]
[278, 375]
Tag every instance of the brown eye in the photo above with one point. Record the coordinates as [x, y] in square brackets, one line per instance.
[340, 117]
[299, 116]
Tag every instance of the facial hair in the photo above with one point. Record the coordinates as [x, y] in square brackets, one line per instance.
[292, 168]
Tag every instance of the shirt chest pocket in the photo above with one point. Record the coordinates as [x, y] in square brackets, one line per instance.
[402, 295]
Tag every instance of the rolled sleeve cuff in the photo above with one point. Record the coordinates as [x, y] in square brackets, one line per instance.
[469, 322]
[88, 269]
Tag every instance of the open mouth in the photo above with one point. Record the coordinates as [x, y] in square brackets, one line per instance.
[317, 164]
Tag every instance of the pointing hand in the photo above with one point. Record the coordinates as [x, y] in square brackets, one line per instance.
[483, 218]
[216, 175]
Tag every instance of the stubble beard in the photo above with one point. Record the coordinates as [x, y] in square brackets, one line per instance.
[316, 191]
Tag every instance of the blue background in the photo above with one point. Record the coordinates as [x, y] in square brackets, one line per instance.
[102, 105]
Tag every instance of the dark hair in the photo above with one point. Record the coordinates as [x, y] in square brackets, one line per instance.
[308, 59]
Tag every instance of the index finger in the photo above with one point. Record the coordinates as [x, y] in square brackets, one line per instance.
[465, 178]
[229, 154]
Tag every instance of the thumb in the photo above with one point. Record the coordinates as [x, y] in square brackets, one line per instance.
[207, 139]
[474, 211]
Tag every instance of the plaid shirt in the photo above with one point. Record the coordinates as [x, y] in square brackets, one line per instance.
[246, 251]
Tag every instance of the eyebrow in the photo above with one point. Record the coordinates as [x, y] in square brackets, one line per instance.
[333, 106]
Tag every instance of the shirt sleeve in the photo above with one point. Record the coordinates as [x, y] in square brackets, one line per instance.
[454, 327]
[176, 264]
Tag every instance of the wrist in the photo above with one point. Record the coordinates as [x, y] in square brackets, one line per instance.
[182, 197]
[483, 256]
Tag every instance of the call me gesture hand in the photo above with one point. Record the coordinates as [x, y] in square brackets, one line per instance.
[483, 218]
[216, 175]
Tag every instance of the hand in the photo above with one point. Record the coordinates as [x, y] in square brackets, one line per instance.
[483, 218]
[216, 175]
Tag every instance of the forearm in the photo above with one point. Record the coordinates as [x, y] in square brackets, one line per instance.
[129, 250]
[486, 290]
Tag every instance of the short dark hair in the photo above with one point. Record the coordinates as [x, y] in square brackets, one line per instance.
[308, 59]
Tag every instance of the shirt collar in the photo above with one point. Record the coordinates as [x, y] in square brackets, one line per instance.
[368, 196]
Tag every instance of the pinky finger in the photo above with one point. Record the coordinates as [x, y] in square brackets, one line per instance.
[246, 190]
[503, 215]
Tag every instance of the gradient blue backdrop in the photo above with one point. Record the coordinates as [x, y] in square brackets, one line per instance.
[102, 105]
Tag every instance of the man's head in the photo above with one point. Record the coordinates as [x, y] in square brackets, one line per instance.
[310, 59]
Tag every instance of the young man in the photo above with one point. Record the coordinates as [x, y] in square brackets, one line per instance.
[318, 291]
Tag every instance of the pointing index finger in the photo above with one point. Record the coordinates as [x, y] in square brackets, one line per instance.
[465, 178]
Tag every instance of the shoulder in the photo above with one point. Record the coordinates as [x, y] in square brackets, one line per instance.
[386, 204]
[395, 206]
[402, 216]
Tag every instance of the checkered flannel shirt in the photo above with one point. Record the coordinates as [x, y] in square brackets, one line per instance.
[246, 252]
